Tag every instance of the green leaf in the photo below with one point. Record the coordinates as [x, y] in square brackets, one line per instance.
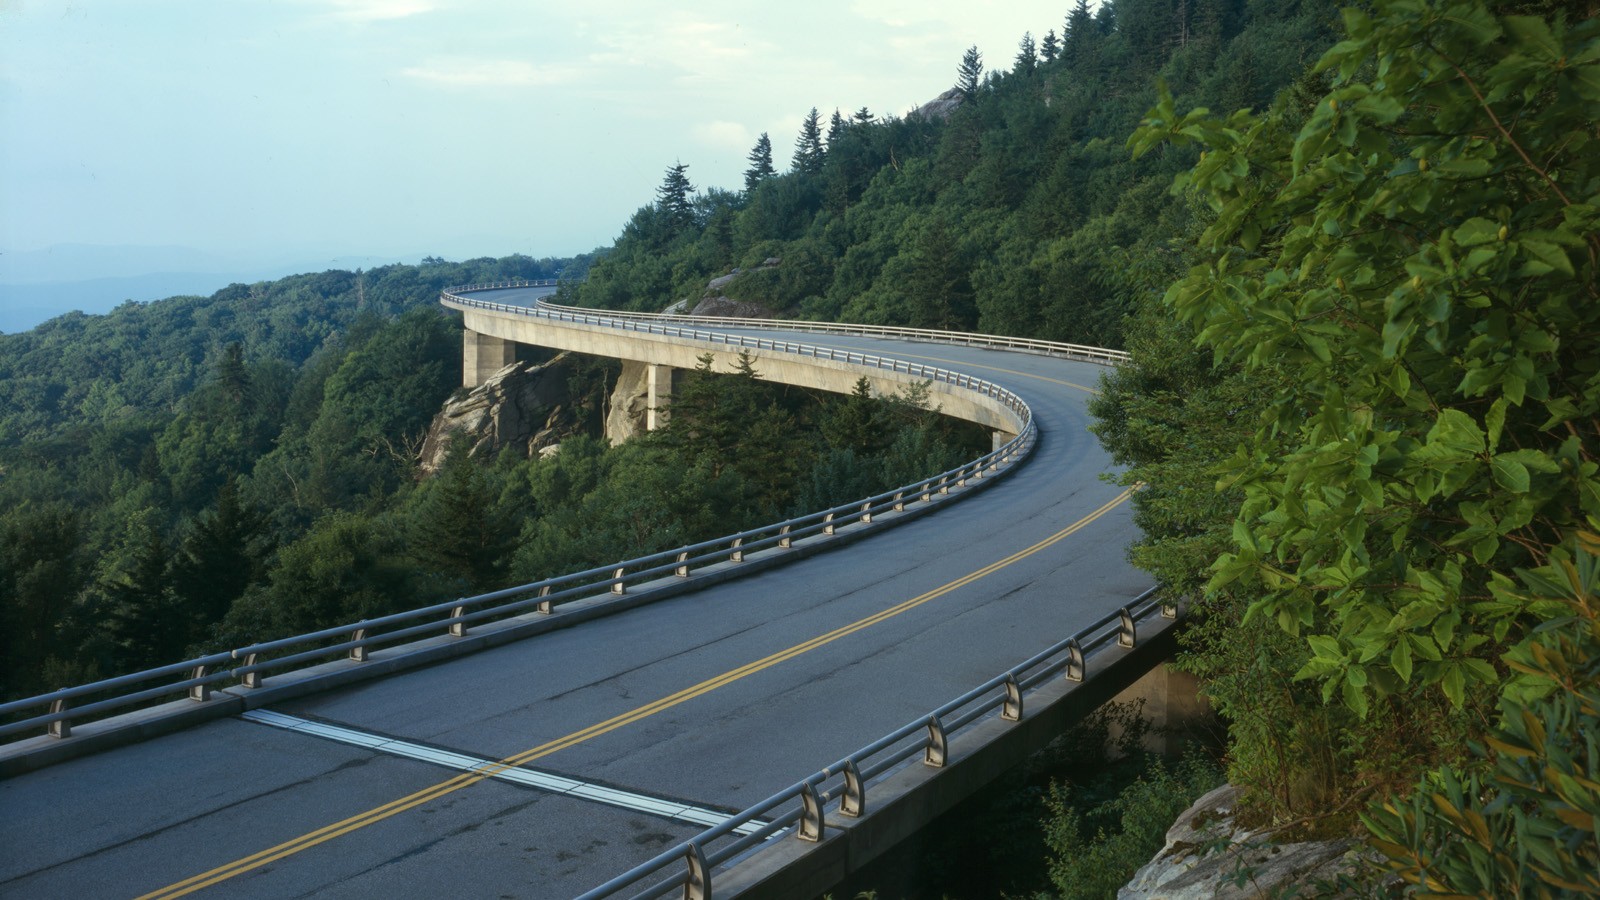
[1355, 698]
[1495, 420]
[1476, 230]
[1546, 257]
[1533, 33]
[1400, 660]
[1456, 430]
[1510, 474]
[1454, 684]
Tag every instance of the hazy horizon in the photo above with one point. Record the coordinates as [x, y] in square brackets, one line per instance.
[259, 131]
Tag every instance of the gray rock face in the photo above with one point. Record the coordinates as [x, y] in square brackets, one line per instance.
[630, 400]
[520, 406]
[737, 309]
[1207, 857]
[715, 301]
[941, 106]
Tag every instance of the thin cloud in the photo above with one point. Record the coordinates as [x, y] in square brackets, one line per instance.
[724, 135]
[488, 73]
[377, 10]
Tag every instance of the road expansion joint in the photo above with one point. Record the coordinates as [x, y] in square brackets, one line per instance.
[541, 780]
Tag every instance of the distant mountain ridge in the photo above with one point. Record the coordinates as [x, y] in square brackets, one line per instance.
[38, 285]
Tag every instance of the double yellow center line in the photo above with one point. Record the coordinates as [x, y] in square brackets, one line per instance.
[411, 801]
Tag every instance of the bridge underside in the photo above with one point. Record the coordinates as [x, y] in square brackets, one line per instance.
[490, 340]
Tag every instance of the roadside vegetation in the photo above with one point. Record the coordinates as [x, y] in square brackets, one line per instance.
[1354, 256]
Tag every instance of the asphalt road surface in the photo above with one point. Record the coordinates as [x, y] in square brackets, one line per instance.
[629, 729]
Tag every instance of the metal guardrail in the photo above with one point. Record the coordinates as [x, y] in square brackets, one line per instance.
[803, 806]
[931, 335]
[246, 666]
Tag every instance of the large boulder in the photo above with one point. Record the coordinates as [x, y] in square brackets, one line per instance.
[941, 106]
[522, 406]
[1208, 856]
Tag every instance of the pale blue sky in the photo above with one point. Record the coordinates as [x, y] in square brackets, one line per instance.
[270, 128]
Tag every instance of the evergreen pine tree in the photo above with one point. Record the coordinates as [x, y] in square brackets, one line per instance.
[1027, 55]
[760, 159]
[672, 199]
[835, 128]
[969, 75]
[218, 559]
[808, 152]
[1050, 48]
[1077, 33]
[862, 116]
[458, 528]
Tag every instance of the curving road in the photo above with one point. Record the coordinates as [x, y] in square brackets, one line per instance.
[657, 718]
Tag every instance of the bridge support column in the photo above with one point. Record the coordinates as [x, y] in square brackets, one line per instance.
[483, 355]
[659, 398]
[1173, 706]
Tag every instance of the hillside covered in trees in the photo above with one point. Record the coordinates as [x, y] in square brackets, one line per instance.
[1018, 212]
[200, 473]
[1354, 256]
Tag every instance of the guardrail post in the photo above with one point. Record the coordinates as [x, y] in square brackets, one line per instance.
[682, 571]
[1012, 710]
[1126, 635]
[938, 746]
[618, 587]
[783, 538]
[827, 524]
[458, 628]
[944, 485]
[698, 885]
[545, 605]
[854, 801]
[927, 492]
[1074, 660]
[811, 822]
[359, 652]
[737, 555]
[866, 513]
[60, 728]
[252, 678]
[200, 692]
[1169, 610]
[899, 501]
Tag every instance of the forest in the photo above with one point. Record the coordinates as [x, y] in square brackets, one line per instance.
[1353, 253]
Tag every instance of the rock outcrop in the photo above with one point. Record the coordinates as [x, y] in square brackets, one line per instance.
[715, 302]
[522, 406]
[941, 106]
[630, 401]
[735, 309]
[1208, 856]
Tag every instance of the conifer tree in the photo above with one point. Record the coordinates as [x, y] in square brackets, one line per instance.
[1027, 55]
[862, 116]
[808, 152]
[672, 198]
[970, 73]
[1077, 33]
[835, 128]
[1050, 48]
[760, 160]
